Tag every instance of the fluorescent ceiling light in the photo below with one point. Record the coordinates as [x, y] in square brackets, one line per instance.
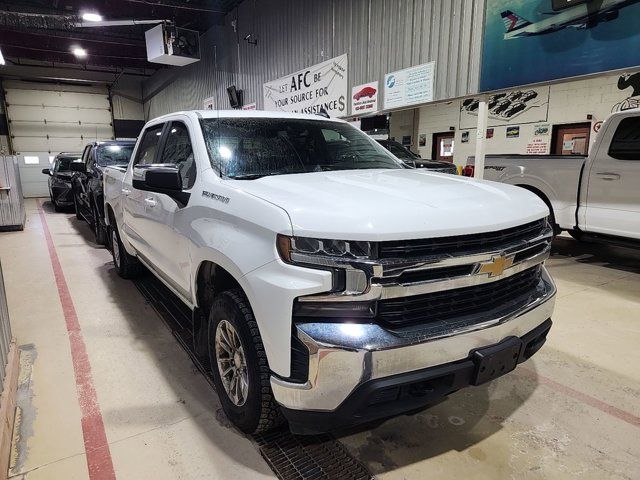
[91, 17]
[79, 52]
[1, 58]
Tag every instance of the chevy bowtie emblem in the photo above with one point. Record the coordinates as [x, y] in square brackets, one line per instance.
[496, 266]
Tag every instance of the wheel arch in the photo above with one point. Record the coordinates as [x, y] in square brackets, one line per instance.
[545, 198]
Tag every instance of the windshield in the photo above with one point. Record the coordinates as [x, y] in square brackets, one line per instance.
[113, 154]
[62, 163]
[249, 148]
[399, 151]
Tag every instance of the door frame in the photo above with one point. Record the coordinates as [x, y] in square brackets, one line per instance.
[555, 132]
[435, 145]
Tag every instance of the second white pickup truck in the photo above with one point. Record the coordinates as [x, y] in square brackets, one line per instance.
[329, 284]
[594, 198]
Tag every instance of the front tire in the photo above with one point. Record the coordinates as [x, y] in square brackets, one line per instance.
[239, 364]
[126, 265]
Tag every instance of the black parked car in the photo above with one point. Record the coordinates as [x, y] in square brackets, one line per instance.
[60, 175]
[88, 193]
[412, 160]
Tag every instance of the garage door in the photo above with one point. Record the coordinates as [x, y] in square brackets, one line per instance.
[46, 119]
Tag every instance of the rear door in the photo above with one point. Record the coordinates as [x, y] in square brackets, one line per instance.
[136, 203]
[613, 191]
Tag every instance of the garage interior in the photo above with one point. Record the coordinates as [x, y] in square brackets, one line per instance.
[105, 382]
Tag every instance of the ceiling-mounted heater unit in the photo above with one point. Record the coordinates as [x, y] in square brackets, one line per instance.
[172, 45]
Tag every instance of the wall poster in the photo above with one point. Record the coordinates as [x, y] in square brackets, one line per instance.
[528, 42]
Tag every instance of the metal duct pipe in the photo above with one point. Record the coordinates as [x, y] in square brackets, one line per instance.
[30, 21]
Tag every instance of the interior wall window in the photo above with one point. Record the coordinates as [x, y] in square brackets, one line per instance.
[146, 154]
[625, 144]
[178, 151]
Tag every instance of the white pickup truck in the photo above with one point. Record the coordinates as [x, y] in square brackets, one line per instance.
[329, 284]
[595, 198]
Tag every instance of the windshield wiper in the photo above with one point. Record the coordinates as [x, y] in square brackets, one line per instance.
[249, 176]
[254, 176]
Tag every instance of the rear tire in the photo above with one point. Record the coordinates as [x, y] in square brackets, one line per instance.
[101, 236]
[251, 409]
[77, 207]
[126, 265]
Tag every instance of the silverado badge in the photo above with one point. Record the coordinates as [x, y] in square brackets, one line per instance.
[496, 266]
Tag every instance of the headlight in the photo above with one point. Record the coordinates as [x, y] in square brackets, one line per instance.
[310, 248]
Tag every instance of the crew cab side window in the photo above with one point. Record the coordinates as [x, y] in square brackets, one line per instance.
[90, 158]
[178, 151]
[146, 154]
[625, 144]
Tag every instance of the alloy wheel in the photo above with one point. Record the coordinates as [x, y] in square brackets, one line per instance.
[232, 363]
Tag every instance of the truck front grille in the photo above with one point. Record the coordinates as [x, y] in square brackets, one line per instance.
[462, 244]
[441, 307]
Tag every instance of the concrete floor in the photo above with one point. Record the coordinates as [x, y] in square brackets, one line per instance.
[573, 410]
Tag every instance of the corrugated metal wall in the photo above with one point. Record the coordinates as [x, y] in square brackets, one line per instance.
[380, 36]
[5, 329]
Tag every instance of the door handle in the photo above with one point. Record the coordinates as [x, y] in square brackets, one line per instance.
[125, 191]
[608, 176]
[150, 201]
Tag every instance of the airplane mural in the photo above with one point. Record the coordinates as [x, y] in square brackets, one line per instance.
[527, 42]
[581, 16]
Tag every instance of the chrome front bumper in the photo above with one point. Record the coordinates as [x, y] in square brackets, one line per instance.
[344, 356]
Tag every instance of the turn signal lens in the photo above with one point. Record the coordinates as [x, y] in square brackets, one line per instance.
[283, 244]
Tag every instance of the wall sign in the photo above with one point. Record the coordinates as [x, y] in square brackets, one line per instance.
[364, 98]
[538, 146]
[409, 86]
[525, 105]
[208, 103]
[310, 90]
[541, 129]
[513, 132]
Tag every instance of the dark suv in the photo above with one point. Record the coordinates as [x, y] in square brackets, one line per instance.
[87, 186]
[412, 160]
[60, 174]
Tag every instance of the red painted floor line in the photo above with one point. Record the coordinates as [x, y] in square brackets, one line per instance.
[95, 438]
[584, 398]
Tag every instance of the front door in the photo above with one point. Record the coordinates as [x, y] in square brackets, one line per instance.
[166, 221]
[571, 139]
[613, 193]
[443, 145]
[138, 204]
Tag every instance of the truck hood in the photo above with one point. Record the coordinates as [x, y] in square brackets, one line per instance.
[379, 205]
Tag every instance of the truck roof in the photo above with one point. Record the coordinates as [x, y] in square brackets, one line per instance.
[249, 114]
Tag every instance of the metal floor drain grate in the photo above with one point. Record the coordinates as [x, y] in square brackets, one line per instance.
[293, 457]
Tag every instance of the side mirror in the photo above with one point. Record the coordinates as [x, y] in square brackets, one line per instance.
[164, 179]
[46, 171]
[78, 167]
